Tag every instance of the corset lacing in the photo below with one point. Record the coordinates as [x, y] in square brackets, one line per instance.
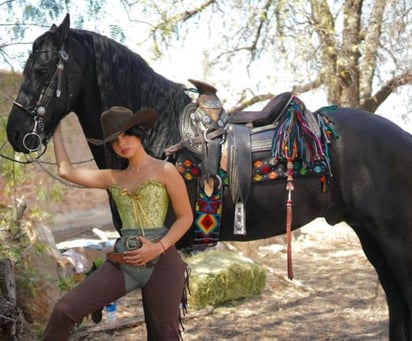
[136, 202]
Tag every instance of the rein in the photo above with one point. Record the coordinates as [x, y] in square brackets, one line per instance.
[41, 163]
[20, 161]
[58, 179]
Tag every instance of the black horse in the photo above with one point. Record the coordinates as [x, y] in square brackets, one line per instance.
[80, 71]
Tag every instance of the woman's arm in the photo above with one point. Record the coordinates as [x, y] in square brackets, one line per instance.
[181, 205]
[91, 178]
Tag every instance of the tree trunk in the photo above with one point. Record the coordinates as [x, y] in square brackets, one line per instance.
[348, 71]
[10, 317]
[324, 26]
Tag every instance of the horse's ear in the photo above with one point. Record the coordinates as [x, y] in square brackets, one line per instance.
[66, 21]
[63, 30]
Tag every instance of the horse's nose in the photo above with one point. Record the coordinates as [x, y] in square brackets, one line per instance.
[15, 139]
[13, 136]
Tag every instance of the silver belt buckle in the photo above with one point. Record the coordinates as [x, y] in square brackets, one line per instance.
[132, 243]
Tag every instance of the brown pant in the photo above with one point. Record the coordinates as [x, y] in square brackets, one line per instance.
[161, 295]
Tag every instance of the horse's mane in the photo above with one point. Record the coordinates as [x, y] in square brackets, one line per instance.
[125, 78]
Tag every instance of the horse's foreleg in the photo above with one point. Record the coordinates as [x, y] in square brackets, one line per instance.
[399, 311]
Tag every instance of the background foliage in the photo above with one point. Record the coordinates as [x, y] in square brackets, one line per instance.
[354, 52]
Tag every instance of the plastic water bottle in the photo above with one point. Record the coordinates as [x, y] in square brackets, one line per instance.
[111, 312]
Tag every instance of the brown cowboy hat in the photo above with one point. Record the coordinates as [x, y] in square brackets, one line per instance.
[117, 120]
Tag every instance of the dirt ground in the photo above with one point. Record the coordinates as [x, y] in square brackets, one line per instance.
[335, 295]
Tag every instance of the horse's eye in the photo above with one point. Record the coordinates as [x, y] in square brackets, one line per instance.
[41, 73]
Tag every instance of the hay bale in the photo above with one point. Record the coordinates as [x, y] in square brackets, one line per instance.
[221, 276]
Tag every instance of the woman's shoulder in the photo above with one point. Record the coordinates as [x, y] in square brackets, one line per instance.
[168, 167]
[163, 169]
[163, 164]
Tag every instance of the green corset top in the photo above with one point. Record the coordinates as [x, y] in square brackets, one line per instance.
[145, 208]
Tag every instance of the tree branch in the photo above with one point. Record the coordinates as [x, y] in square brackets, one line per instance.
[372, 103]
[6, 2]
[248, 102]
[183, 16]
[4, 45]
[262, 21]
[299, 89]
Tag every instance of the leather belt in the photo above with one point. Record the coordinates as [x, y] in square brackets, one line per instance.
[118, 257]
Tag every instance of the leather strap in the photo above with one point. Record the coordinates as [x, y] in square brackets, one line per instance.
[239, 162]
[243, 160]
[210, 159]
[118, 257]
[197, 139]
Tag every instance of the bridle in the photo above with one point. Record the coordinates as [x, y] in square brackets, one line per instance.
[39, 109]
[34, 140]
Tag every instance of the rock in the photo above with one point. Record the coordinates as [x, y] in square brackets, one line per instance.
[37, 276]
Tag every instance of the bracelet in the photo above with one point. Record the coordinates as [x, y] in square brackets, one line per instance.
[163, 247]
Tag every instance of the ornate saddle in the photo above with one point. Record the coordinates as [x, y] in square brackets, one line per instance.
[282, 141]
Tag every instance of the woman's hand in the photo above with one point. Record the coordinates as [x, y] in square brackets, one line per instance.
[145, 254]
[91, 178]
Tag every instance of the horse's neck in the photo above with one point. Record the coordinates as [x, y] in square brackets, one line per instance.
[169, 99]
[137, 86]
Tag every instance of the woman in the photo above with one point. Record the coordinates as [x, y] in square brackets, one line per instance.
[145, 256]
